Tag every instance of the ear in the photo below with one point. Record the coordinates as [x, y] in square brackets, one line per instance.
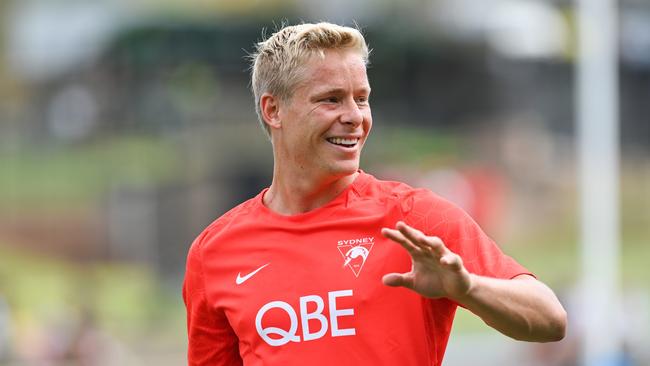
[270, 110]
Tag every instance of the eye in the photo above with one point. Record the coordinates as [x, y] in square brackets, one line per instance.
[330, 100]
[362, 100]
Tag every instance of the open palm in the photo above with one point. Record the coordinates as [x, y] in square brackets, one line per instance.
[436, 271]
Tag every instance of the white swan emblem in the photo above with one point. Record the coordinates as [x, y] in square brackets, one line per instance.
[356, 252]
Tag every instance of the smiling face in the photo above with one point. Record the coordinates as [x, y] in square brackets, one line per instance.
[322, 128]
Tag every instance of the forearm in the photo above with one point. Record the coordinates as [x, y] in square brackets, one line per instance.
[522, 308]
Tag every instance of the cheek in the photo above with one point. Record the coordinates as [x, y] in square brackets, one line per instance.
[367, 122]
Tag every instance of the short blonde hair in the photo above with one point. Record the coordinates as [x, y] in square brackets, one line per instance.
[277, 64]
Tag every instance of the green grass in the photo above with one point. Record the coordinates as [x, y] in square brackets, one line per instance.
[54, 176]
[127, 300]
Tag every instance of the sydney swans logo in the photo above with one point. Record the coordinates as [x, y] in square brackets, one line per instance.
[355, 252]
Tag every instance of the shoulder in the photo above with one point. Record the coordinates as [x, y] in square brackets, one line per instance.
[420, 207]
[383, 189]
[410, 199]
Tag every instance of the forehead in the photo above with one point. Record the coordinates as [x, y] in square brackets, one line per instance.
[341, 69]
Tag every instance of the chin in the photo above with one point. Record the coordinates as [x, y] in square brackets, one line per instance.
[343, 169]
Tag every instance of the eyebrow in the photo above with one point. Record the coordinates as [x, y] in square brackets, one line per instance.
[335, 91]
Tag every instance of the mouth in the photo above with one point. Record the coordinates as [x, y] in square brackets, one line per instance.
[348, 142]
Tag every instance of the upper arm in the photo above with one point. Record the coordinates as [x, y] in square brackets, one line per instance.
[211, 339]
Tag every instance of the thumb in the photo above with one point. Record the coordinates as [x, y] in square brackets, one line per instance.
[398, 280]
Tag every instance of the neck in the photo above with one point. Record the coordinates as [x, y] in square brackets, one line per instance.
[292, 194]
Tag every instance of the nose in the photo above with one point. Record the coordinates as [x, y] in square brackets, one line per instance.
[352, 114]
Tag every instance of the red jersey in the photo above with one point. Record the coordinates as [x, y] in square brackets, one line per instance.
[267, 289]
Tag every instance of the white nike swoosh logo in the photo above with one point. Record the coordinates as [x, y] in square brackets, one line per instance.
[243, 279]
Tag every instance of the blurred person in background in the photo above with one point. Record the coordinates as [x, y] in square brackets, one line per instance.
[330, 265]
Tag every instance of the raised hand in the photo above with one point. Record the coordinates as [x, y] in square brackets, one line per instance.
[435, 272]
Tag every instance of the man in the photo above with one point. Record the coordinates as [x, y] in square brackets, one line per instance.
[330, 266]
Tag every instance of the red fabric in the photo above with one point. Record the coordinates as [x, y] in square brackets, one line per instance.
[311, 267]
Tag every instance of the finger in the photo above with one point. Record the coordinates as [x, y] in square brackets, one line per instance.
[421, 240]
[452, 261]
[435, 243]
[398, 237]
[398, 280]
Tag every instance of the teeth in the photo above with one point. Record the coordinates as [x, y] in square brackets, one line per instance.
[343, 141]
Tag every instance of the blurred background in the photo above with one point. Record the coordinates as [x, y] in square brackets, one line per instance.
[126, 127]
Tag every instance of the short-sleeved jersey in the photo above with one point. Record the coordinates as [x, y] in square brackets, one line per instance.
[266, 289]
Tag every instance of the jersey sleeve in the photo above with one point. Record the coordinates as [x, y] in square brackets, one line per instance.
[461, 234]
[212, 340]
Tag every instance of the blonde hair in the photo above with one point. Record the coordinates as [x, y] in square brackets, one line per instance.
[278, 62]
